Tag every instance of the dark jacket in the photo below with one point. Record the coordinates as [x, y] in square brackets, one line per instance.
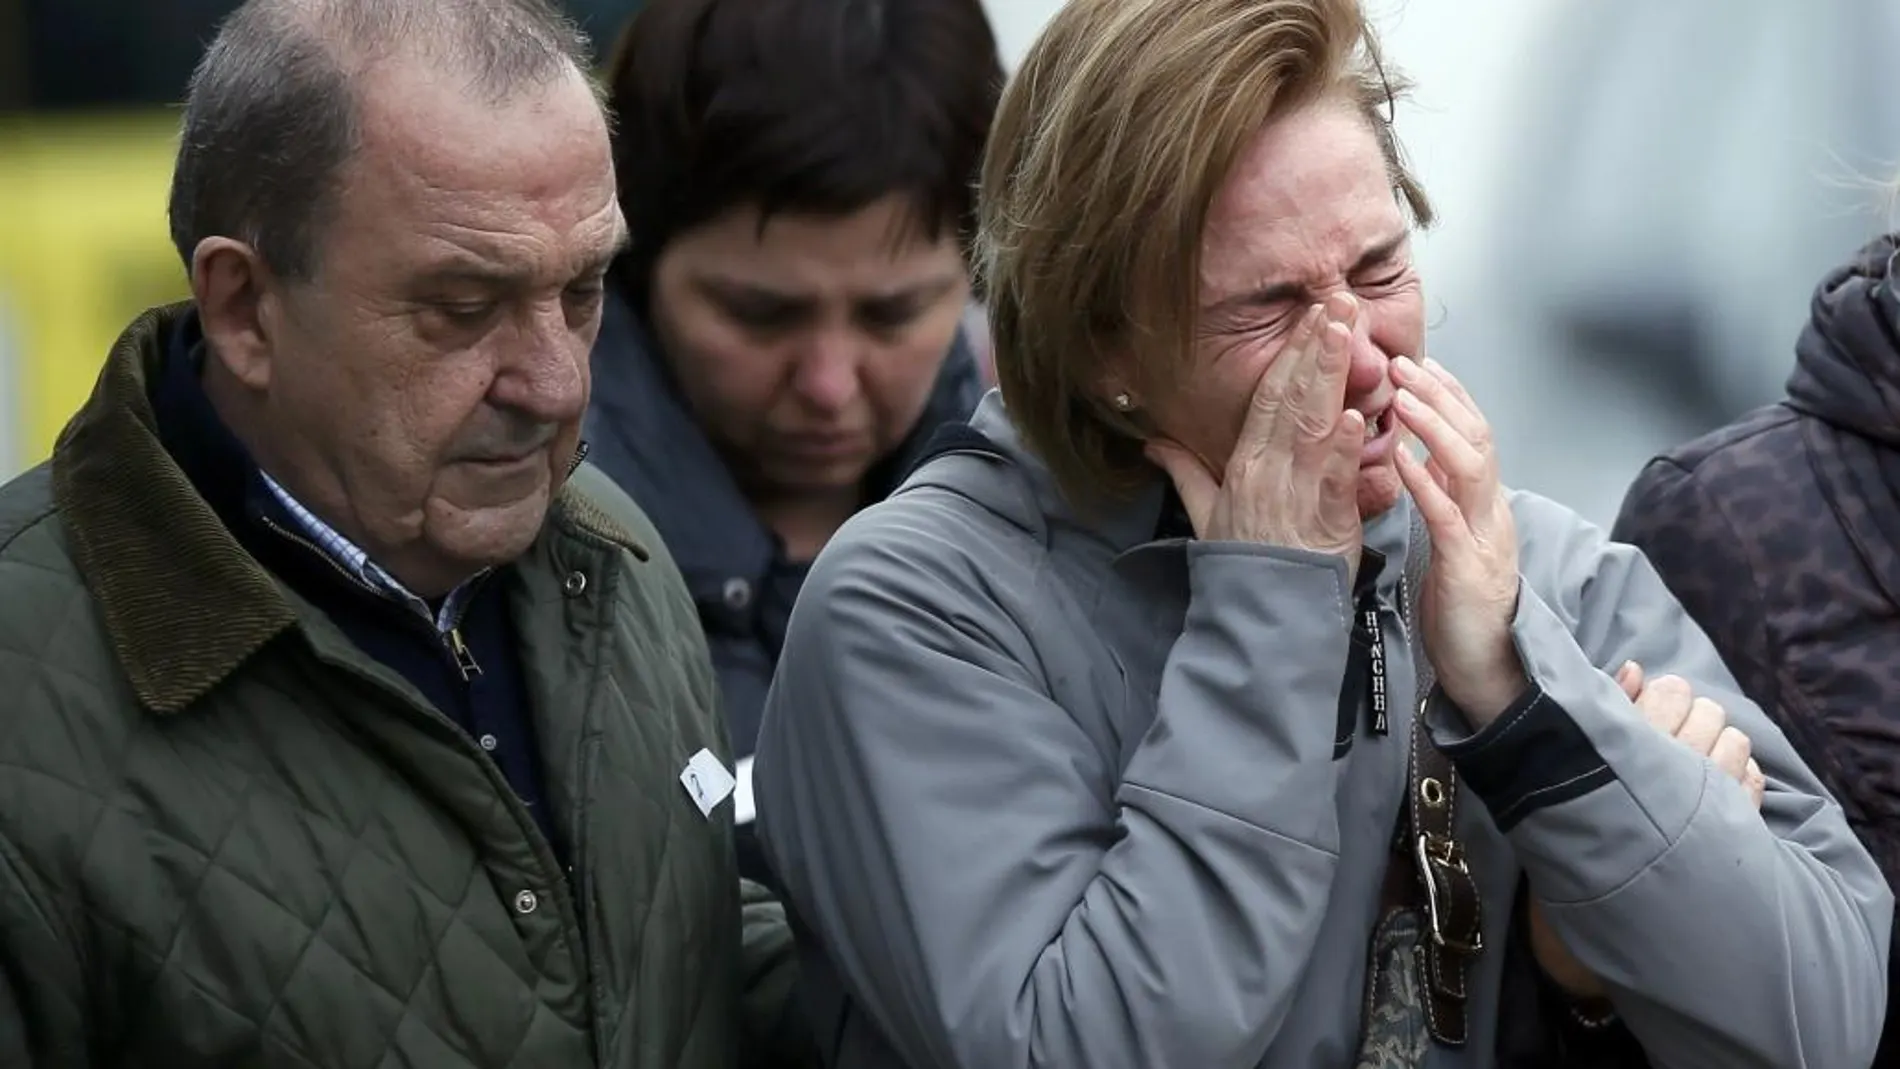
[471, 671]
[646, 440]
[230, 837]
[1781, 535]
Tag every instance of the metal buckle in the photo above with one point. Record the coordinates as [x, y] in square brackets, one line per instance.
[1448, 855]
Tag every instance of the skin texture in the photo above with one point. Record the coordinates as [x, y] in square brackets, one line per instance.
[1311, 311]
[807, 348]
[1470, 589]
[1307, 214]
[423, 391]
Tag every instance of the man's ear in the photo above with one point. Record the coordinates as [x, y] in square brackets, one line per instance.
[238, 305]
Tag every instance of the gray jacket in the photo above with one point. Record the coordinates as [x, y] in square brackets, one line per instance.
[1054, 793]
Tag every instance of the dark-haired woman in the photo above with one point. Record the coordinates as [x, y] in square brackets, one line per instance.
[784, 332]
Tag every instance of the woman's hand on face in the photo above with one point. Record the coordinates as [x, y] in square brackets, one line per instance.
[1470, 593]
[1293, 477]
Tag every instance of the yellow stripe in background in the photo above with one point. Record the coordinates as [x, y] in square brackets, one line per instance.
[83, 250]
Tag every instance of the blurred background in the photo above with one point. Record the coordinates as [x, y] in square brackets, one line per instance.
[1636, 199]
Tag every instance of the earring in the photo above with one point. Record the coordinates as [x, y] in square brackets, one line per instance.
[1124, 403]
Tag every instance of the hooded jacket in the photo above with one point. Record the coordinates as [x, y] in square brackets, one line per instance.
[1781, 535]
[1049, 790]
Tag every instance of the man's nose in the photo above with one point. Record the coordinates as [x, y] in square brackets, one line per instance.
[545, 373]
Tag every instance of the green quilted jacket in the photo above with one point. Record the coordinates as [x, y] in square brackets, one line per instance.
[229, 838]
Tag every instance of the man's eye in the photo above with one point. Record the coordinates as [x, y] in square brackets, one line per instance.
[466, 313]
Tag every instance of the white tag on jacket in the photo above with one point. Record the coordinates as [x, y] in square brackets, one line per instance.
[706, 781]
[743, 808]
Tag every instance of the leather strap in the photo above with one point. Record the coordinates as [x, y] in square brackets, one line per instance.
[1445, 892]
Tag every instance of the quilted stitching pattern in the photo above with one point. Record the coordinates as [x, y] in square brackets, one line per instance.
[303, 871]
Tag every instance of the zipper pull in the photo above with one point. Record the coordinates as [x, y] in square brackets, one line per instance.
[464, 659]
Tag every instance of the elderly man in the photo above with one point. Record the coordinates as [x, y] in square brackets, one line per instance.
[349, 720]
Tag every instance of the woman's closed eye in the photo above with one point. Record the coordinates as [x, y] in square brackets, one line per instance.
[1254, 322]
[1384, 278]
[762, 313]
[890, 315]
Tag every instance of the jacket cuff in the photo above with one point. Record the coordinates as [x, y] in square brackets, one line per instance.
[1531, 757]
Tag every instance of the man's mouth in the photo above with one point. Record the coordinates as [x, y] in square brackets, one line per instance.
[503, 461]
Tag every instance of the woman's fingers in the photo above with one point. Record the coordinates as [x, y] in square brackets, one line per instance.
[1630, 678]
[1443, 518]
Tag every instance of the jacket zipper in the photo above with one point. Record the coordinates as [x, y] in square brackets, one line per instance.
[450, 640]
[468, 744]
[320, 554]
[569, 881]
[465, 662]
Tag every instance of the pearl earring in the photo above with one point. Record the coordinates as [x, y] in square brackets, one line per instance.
[1124, 403]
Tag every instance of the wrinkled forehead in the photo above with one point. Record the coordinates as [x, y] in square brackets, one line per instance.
[1306, 197]
[439, 172]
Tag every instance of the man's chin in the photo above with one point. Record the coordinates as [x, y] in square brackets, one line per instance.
[489, 535]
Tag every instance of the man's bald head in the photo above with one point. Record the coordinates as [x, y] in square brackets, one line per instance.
[272, 112]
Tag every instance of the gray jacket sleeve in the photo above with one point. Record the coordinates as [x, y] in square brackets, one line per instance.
[992, 893]
[1729, 939]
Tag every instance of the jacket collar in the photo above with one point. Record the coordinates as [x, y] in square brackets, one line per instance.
[184, 603]
[664, 461]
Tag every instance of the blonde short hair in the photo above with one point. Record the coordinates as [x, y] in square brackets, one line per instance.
[1109, 147]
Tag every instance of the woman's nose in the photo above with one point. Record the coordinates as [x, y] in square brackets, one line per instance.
[827, 372]
[1369, 363]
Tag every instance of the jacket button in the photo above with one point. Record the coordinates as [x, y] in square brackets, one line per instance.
[576, 584]
[525, 902]
[489, 742]
[738, 593]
